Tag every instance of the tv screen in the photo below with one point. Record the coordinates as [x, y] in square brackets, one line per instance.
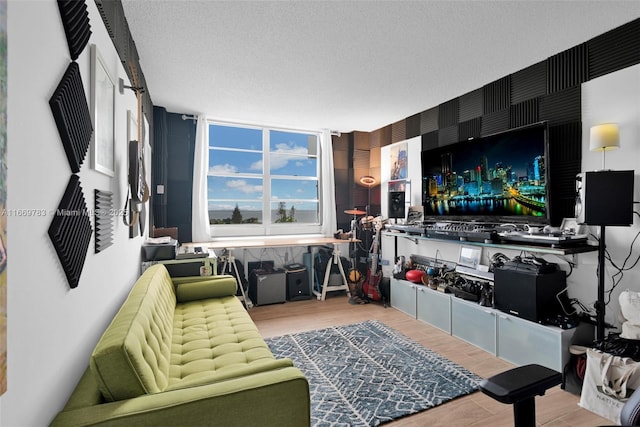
[497, 177]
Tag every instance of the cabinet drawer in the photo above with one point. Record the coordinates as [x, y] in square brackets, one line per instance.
[434, 308]
[522, 342]
[474, 324]
[403, 296]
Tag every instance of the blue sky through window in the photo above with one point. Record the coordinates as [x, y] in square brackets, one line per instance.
[237, 174]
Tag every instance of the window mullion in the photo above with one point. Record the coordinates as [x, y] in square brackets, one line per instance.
[266, 182]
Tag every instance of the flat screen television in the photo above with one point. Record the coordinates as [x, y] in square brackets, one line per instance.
[495, 178]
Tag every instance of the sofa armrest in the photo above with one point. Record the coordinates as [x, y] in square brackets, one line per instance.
[274, 398]
[203, 287]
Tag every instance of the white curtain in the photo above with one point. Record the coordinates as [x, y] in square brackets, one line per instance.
[329, 223]
[200, 212]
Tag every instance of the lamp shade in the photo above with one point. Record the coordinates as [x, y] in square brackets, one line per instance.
[604, 137]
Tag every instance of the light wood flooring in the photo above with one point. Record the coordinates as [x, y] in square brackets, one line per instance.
[556, 408]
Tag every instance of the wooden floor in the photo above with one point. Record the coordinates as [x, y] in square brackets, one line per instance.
[556, 408]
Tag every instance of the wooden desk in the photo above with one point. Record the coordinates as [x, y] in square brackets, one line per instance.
[274, 242]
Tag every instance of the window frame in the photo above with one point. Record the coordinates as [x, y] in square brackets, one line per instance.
[269, 228]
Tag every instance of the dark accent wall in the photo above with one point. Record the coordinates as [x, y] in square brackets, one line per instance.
[343, 171]
[547, 91]
[355, 155]
[173, 153]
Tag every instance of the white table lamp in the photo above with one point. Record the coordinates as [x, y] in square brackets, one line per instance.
[604, 137]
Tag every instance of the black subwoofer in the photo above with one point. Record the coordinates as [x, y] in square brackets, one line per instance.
[528, 295]
[297, 282]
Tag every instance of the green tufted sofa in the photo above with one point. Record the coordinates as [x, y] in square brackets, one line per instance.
[184, 351]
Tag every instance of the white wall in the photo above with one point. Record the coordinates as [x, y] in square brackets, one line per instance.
[52, 328]
[615, 98]
[413, 193]
[612, 98]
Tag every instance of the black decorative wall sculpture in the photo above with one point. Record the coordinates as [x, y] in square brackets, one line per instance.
[75, 19]
[70, 231]
[71, 114]
[104, 219]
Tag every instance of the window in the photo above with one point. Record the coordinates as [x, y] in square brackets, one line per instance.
[263, 180]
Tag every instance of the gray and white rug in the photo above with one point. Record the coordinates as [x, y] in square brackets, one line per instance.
[366, 374]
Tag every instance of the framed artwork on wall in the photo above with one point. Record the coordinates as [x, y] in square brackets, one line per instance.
[102, 113]
[398, 162]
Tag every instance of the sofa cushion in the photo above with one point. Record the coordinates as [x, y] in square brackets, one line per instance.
[132, 356]
[216, 339]
[204, 287]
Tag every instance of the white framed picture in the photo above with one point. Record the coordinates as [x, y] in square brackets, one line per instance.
[102, 93]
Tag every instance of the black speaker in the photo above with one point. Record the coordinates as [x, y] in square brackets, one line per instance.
[604, 198]
[396, 204]
[297, 282]
[267, 287]
[528, 295]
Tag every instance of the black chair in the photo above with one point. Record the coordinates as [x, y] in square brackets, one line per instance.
[519, 386]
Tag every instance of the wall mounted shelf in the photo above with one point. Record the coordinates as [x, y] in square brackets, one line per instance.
[568, 250]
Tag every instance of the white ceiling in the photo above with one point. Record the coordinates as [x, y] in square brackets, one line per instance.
[347, 65]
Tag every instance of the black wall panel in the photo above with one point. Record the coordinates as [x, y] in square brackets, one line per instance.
[495, 122]
[567, 69]
[448, 114]
[448, 135]
[470, 105]
[470, 129]
[565, 158]
[429, 140]
[562, 106]
[524, 113]
[565, 142]
[614, 50]
[529, 83]
[413, 126]
[342, 196]
[108, 11]
[497, 95]
[77, 28]
[429, 120]
[398, 131]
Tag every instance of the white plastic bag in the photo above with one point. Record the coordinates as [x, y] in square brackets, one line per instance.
[608, 383]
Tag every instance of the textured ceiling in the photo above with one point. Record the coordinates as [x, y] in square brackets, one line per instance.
[347, 65]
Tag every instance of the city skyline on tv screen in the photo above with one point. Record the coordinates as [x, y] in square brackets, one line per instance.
[500, 175]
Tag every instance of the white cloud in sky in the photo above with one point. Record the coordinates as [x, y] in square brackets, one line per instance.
[242, 186]
[223, 169]
[283, 154]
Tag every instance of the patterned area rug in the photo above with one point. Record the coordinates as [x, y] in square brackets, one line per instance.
[366, 374]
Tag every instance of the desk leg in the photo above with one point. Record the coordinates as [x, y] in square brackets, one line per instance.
[230, 259]
[325, 284]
